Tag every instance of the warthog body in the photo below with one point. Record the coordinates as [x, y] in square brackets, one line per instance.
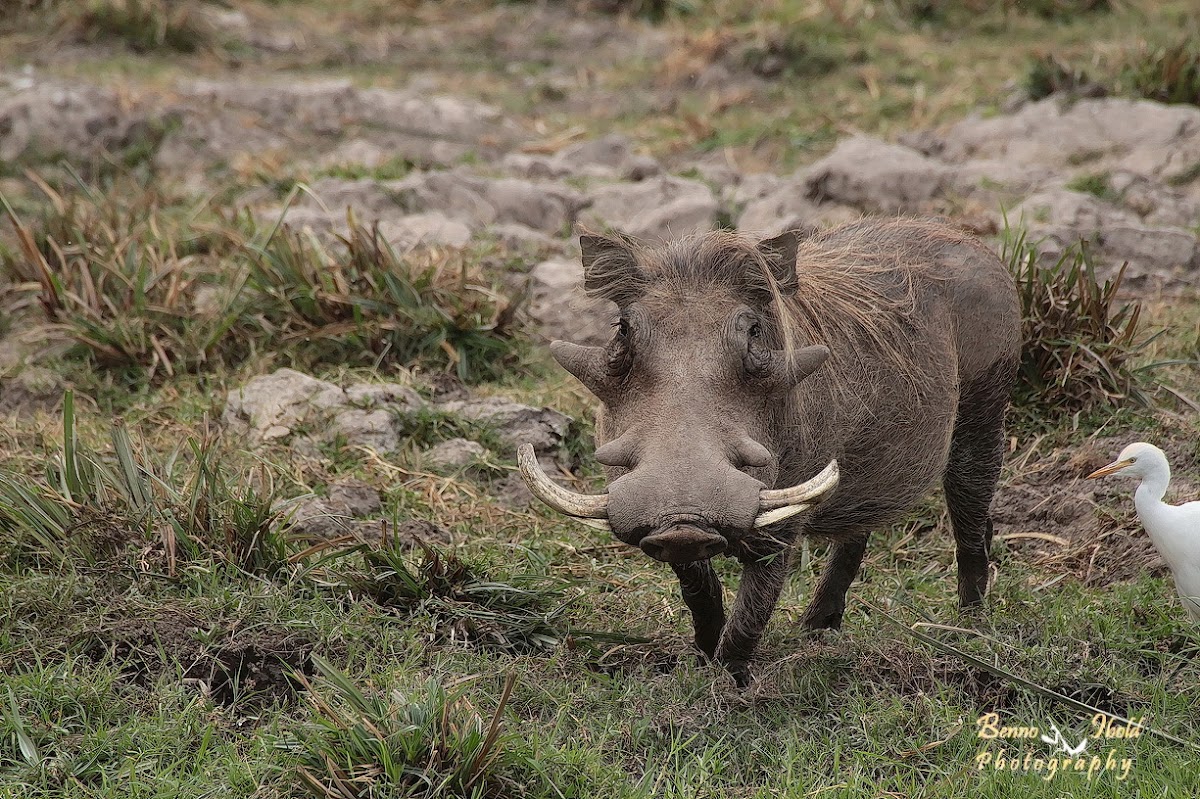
[739, 366]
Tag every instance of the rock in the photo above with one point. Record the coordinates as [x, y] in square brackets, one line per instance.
[44, 118]
[358, 498]
[1063, 208]
[1160, 254]
[394, 395]
[656, 209]
[341, 513]
[477, 201]
[610, 156]
[785, 209]
[875, 176]
[746, 189]
[445, 386]
[424, 229]
[1060, 218]
[270, 407]
[515, 423]
[320, 518]
[456, 453]
[562, 309]
[1056, 133]
[30, 389]
[420, 531]
[999, 178]
[515, 236]
[224, 119]
[1155, 203]
[375, 430]
[358, 152]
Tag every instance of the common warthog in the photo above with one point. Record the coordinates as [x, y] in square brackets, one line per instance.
[888, 346]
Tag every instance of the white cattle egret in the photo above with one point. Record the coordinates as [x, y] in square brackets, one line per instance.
[1174, 529]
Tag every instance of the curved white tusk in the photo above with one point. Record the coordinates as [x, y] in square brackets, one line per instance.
[806, 492]
[589, 509]
[779, 514]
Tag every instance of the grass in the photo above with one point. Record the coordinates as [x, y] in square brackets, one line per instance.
[181, 509]
[141, 26]
[1164, 70]
[1098, 185]
[138, 286]
[432, 744]
[1082, 344]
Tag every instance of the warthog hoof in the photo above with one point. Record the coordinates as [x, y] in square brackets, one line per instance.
[683, 544]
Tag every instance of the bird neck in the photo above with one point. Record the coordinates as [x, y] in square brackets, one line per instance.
[1153, 486]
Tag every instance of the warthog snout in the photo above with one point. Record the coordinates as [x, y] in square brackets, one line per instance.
[675, 539]
[683, 544]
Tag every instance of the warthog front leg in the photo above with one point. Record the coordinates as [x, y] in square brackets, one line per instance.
[702, 594]
[762, 580]
[828, 601]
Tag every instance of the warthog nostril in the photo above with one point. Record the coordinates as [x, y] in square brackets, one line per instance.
[683, 544]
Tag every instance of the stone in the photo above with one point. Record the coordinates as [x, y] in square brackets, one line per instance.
[224, 120]
[785, 209]
[1054, 132]
[1060, 218]
[514, 423]
[375, 430]
[358, 498]
[31, 388]
[876, 176]
[271, 407]
[1064, 208]
[610, 156]
[322, 519]
[456, 453]
[394, 395]
[76, 121]
[656, 209]
[418, 531]
[515, 236]
[562, 309]
[477, 201]
[428, 229]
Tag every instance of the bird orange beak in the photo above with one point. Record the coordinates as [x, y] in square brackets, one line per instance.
[1111, 468]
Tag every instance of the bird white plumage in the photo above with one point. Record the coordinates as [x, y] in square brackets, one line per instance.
[1174, 529]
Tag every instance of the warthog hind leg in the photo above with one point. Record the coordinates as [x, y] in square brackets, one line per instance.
[972, 471]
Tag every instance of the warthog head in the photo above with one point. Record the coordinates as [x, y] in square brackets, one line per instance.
[694, 385]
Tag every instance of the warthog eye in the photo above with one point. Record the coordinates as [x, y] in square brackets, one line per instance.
[620, 350]
[755, 331]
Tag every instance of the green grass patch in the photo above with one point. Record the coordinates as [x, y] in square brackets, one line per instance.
[1081, 344]
[152, 290]
[143, 26]
[1098, 185]
[1164, 71]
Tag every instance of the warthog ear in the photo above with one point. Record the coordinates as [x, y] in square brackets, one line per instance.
[780, 256]
[589, 365]
[610, 268]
